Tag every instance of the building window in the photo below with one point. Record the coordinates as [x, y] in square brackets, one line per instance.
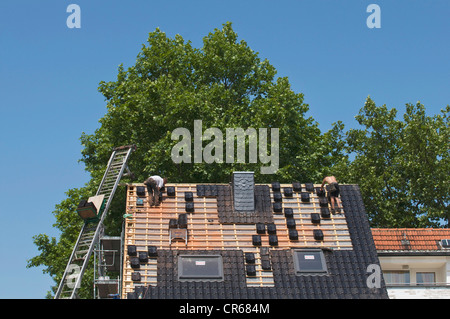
[309, 261]
[425, 278]
[200, 268]
[396, 277]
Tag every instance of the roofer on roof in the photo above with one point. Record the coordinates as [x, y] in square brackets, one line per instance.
[333, 192]
[154, 184]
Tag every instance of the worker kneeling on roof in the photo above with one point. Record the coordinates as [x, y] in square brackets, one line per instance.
[154, 186]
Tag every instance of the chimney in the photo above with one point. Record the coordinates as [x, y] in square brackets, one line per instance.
[244, 191]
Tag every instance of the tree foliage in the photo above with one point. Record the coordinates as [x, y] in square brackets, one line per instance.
[225, 84]
[401, 165]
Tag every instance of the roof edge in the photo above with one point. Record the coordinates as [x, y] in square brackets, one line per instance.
[413, 253]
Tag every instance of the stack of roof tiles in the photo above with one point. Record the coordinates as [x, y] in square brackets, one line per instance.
[254, 270]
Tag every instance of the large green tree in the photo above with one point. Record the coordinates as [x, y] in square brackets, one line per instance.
[402, 165]
[225, 85]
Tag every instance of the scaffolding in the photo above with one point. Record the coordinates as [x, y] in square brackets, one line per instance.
[108, 267]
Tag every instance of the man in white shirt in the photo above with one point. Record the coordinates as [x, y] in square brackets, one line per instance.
[154, 185]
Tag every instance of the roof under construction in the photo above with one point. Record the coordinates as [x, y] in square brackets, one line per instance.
[247, 240]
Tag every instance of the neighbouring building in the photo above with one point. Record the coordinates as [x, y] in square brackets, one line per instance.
[415, 262]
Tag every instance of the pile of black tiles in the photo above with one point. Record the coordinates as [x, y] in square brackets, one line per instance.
[171, 191]
[265, 258]
[323, 202]
[277, 205]
[137, 258]
[290, 223]
[277, 197]
[276, 187]
[189, 207]
[315, 218]
[256, 240]
[297, 187]
[188, 196]
[309, 187]
[277, 208]
[180, 222]
[288, 192]
[305, 197]
[189, 202]
[261, 230]
[325, 212]
[250, 264]
[273, 240]
[288, 212]
[318, 234]
[293, 234]
[207, 190]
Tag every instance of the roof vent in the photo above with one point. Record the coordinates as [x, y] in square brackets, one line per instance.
[244, 191]
[405, 242]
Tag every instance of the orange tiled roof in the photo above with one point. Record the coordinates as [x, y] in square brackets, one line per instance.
[409, 238]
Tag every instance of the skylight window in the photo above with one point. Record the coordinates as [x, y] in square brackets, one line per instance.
[309, 261]
[200, 268]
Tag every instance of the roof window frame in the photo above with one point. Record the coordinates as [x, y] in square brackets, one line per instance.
[202, 259]
[311, 253]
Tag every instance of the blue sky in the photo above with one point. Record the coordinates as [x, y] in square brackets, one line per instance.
[49, 76]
